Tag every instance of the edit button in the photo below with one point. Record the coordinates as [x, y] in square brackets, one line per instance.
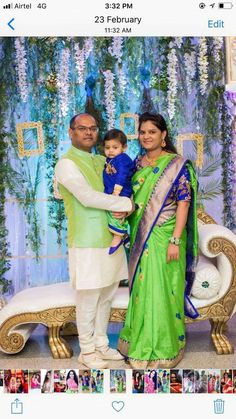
[216, 24]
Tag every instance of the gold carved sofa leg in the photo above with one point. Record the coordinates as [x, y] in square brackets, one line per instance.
[220, 341]
[59, 347]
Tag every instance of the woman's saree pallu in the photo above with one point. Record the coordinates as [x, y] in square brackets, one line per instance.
[154, 328]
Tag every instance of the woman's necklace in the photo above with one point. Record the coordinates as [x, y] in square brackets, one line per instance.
[153, 161]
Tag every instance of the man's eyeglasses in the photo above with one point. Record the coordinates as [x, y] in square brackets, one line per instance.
[82, 129]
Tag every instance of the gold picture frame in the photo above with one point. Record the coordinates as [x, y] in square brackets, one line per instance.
[231, 61]
[191, 137]
[20, 128]
[134, 116]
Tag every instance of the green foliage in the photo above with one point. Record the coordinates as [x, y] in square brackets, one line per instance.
[4, 253]
[209, 191]
[24, 188]
[207, 109]
[228, 173]
[211, 165]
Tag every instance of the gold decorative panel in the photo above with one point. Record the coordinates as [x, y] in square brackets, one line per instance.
[22, 131]
[191, 137]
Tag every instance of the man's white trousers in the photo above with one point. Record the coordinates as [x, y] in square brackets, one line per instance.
[92, 316]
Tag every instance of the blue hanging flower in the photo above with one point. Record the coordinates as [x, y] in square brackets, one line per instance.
[181, 338]
[178, 316]
[156, 170]
[90, 84]
[145, 76]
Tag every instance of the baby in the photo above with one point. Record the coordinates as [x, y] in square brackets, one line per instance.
[117, 176]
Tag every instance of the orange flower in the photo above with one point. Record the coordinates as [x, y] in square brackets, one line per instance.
[141, 180]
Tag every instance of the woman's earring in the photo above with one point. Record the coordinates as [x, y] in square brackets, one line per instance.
[163, 144]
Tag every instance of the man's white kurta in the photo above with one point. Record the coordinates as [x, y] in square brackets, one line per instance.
[92, 267]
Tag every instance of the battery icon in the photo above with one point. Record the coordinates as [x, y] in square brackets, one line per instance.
[225, 5]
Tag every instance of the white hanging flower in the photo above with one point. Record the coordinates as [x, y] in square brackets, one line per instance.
[190, 68]
[109, 98]
[178, 41]
[172, 79]
[217, 46]
[88, 47]
[203, 65]
[21, 67]
[63, 82]
[231, 104]
[122, 80]
[116, 49]
[80, 62]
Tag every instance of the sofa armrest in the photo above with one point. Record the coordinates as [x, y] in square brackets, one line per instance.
[216, 241]
[210, 237]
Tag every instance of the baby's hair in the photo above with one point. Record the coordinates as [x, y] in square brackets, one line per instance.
[115, 134]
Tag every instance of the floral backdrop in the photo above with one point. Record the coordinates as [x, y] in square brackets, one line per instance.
[45, 81]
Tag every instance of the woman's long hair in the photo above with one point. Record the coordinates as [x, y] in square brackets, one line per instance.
[75, 376]
[160, 123]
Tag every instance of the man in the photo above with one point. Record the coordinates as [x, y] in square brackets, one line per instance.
[93, 272]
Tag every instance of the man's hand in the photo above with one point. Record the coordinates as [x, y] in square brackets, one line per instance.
[172, 252]
[119, 215]
[124, 214]
[133, 207]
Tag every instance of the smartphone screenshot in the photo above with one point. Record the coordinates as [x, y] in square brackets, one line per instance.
[117, 209]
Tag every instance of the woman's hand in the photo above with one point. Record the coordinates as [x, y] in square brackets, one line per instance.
[172, 252]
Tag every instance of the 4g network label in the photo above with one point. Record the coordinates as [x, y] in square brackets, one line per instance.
[117, 19]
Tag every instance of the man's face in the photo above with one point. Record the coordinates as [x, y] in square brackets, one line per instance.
[84, 132]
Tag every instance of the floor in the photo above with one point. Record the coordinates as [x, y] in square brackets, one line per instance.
[199, 351]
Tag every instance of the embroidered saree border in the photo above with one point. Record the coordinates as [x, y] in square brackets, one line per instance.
[123, 347]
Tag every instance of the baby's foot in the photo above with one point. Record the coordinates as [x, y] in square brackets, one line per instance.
[116, 240]
[115, 244]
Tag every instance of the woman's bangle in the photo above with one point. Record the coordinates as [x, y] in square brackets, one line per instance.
[174, 240]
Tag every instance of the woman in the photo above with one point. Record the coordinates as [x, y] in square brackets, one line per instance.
[120, 384]
[175, 382]
[19, 385]
[150, 385]
[226, 383]
[35, 381]
[164, 188]
[47, 386]
[234, 383]
[72, 383]
[137, 383]
[25, 382]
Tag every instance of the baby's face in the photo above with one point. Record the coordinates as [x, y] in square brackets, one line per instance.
[113, 148]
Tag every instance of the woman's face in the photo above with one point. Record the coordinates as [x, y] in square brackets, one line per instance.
[71, 374]
[150, 136]
[18, 382]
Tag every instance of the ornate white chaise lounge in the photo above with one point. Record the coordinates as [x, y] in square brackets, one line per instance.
[214, 294]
